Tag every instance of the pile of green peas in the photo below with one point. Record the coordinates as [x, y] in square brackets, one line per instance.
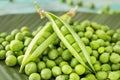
[57, 63]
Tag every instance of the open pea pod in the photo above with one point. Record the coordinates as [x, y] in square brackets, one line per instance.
[41, 41]
[57, 23]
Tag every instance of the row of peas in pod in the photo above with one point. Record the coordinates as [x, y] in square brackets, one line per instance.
[56, 61]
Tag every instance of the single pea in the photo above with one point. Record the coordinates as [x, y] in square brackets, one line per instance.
[2, 54]
[73, 62]
[114, 58]
[19, 36]
[101, 42]
[24, 28]
[115, 66]
[62, 77]
[3, 34]
[94, 44]
[97, 67]
[41, 65]
[9, 52]
[85, 40]
[50, 63]
[86, 23]
[34, 76]
[104, 58]
[76, 47]
[62, 45]
[101, 34]
[93, 59]
[53, 54]
[27, 41]
[56, 71]
[64, 31]
[45, 58]
[115, 37]
[66, 55]
[60, 50]
[88, 34]
[113, 75]
[40, 40]
[101, 50]
[89, 28]
[66, 69]
[70, 38]
[79, 3]
[74, 76]
[91, 77]
[7, 47]
[19, 59]
[80, 34]
[109, 49]
[9, 38]
[30, 68]
[4, 43]
[106, 67]
[11, 60]
[14, 32]
[116, 49]
[94, 37]
[110, 32]
[95, 26]
[46, 73]
[58, 60]
[79, 69]
[16, 45]
[95, 53]
[18, 53]
[80, 28]
[1, 40]
[63, 63]
[47, 34]
[89, 49]
[107, 43]
[27, 34]
[101, 75]
[91, 6]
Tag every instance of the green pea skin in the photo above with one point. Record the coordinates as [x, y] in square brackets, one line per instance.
[30, 68]
[56, 71]
[114, 58]
[41, 65]
[46, 73]
[2, 54]
[101, 75]
[113, 75]
[79, 69]
[34, 76]
[16, 45]
[97, 67]
[66, 69]
[11, 60]
[66, 55]
[53, 54]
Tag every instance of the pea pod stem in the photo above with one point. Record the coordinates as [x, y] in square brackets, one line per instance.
[62, 38]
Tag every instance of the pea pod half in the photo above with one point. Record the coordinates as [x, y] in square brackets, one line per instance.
[57, 24]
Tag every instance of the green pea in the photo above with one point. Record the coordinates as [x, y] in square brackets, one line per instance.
[30, 68]
[24, 28]
[89, 49]
[47, 34]
[19, 53]
[76, 47]
[66, 69]
[7, 47]
[97, 67]
[9, 52]
[109, 49]
[101, 50]
[11, 60]
[46, 73]
[110, 32]
[53, 54]
[115, 66]
[70, 38]
[101, 75]
[116, 49]
[3, 34]
[27, 41]
[66, 55]
[41, 65]
[34, 76]
[94, 37]
[95, 53]
[91, 77]
[94, 44]
[1, 40]
[80, 34]
[16, 45]
[93, 59]
[64, 30]
[74, 76]
[9, 37]
[73, 62]
[62, 77]
[4, 43]
[14, 32]
[19, 36]
[56, 71]
[79, 3]
[114, 58]
[104, 58]
[19, 59]
[79, 69]
[50, 63]
[101, 42]
[105, 67]
[85, 40]
[113, 75]
[95, 26]
[88, 34]
[26, 34]
[101, 34]
[63, 63]
[2, 54]
[58, 60]
[80, 28]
